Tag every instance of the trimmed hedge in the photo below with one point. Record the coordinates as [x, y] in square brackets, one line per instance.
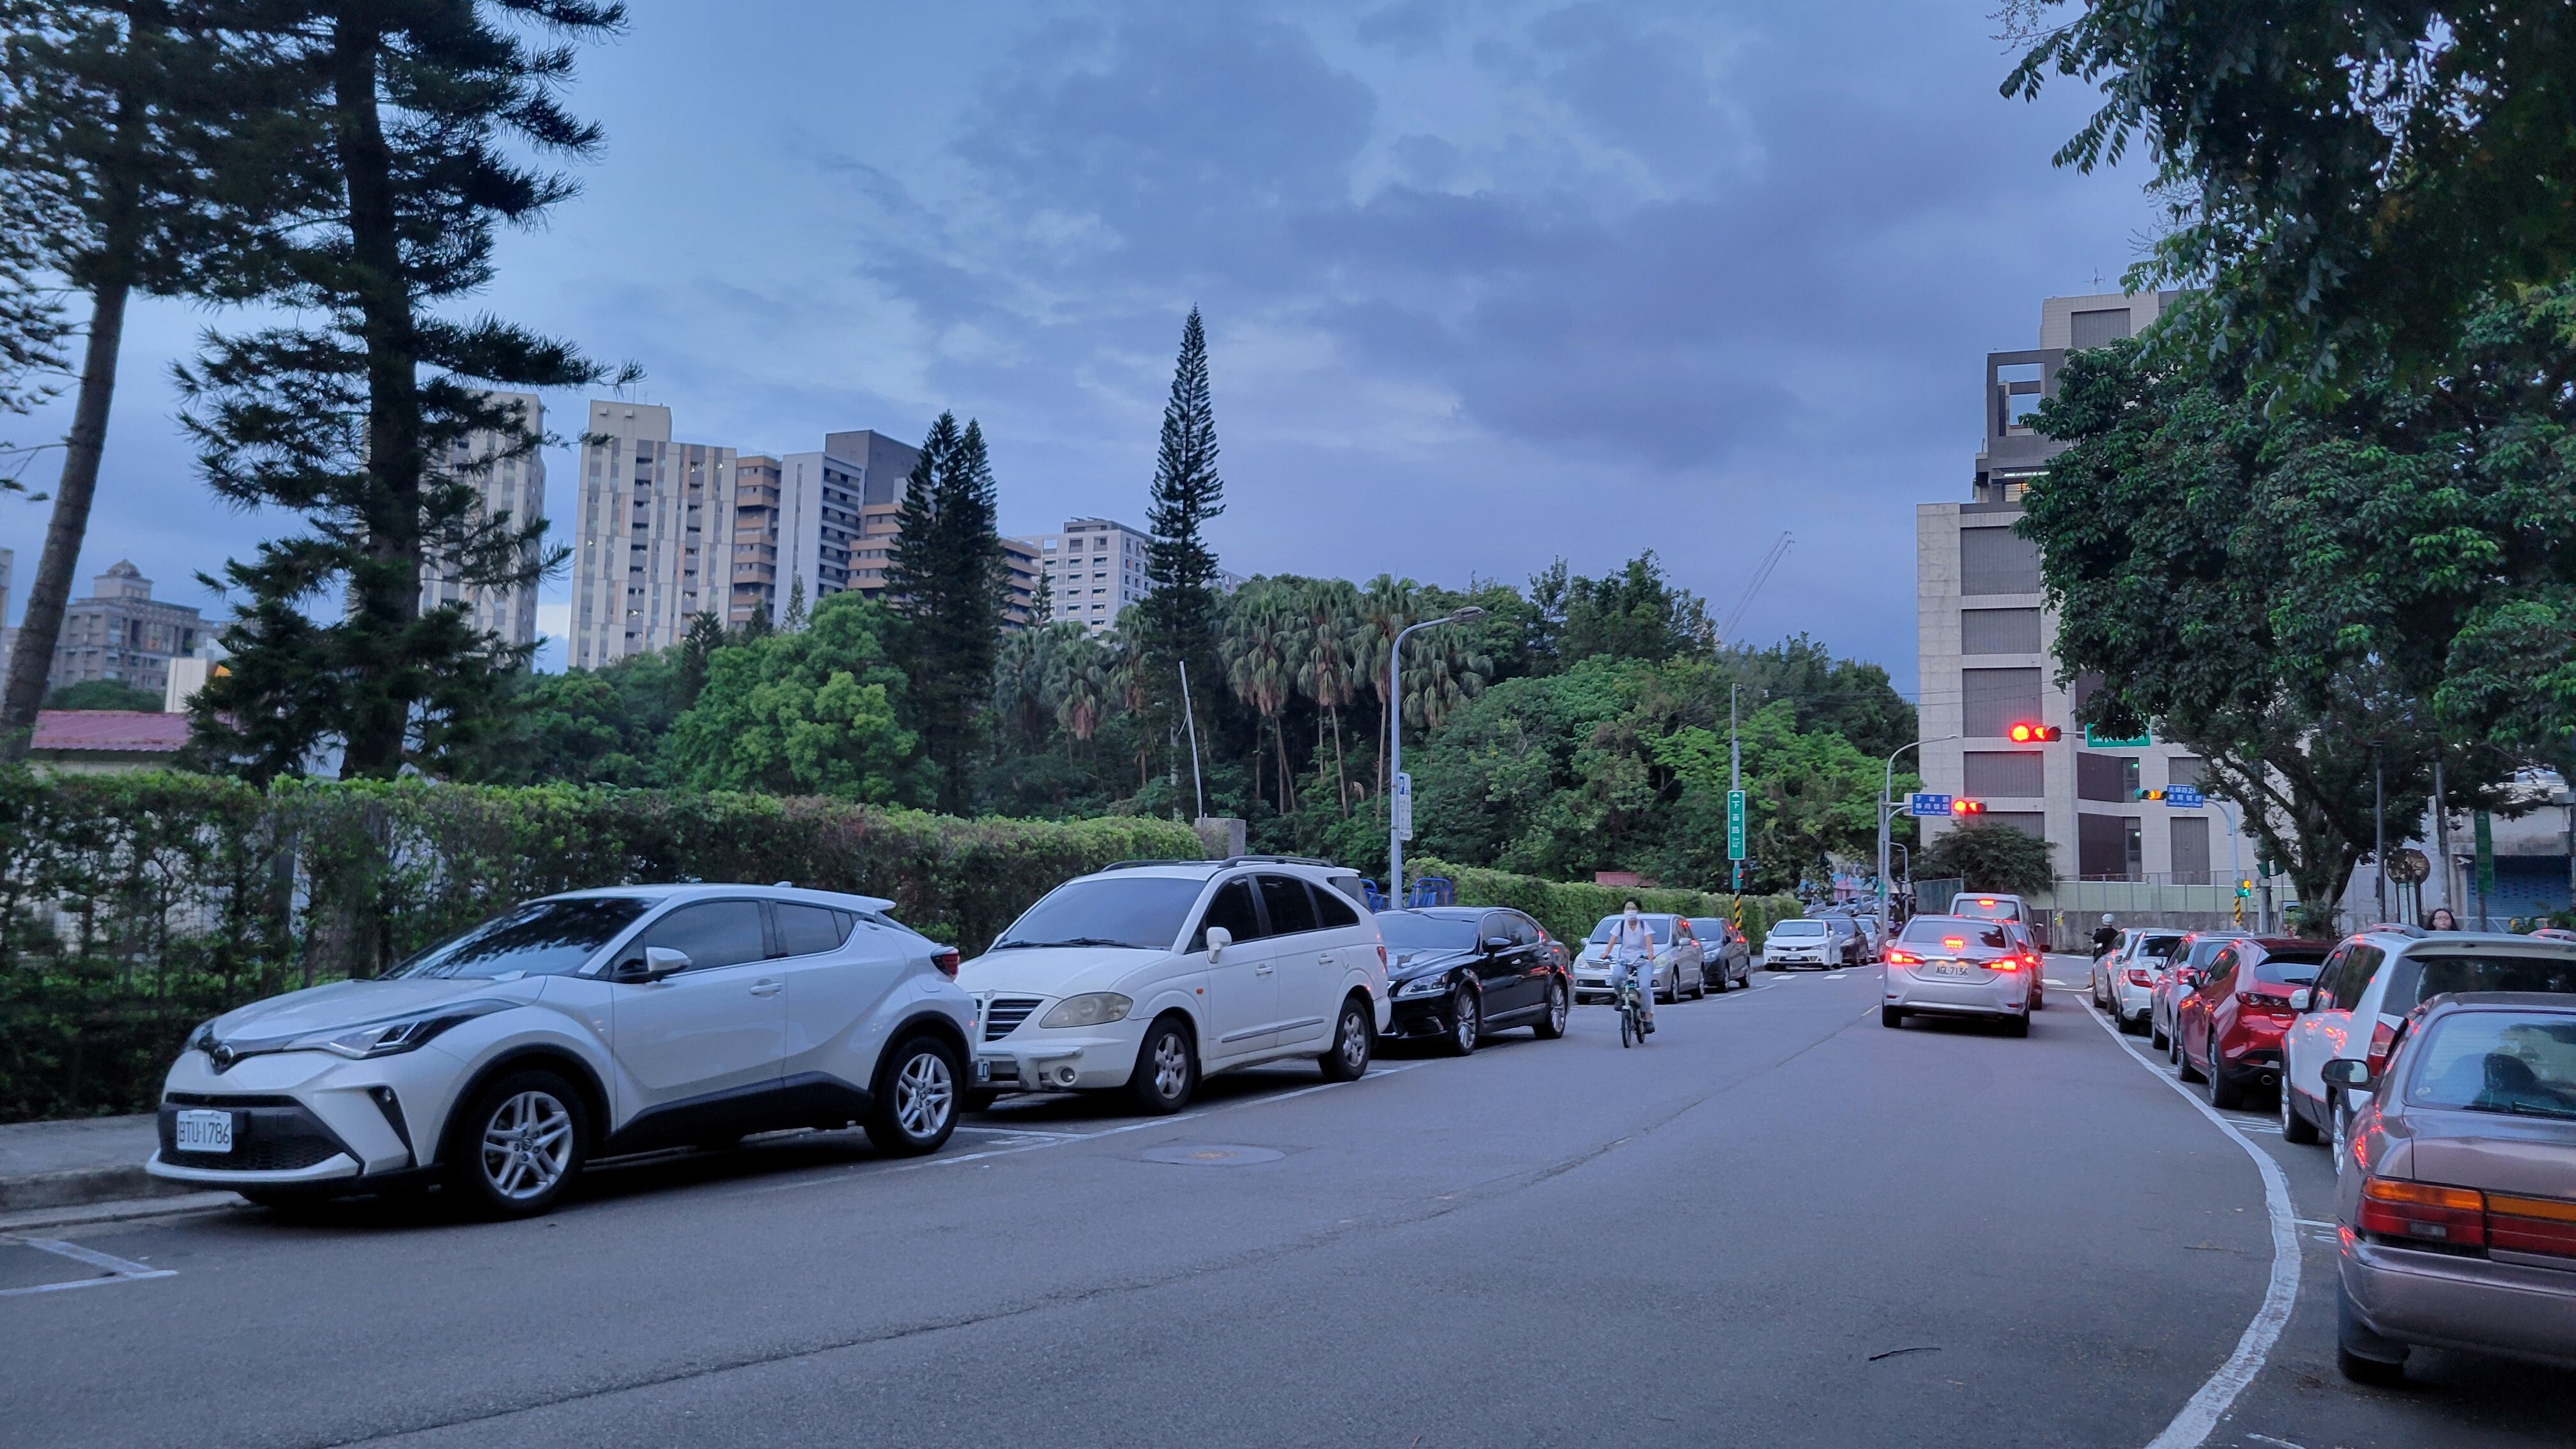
[1570, 909]
[134, 906]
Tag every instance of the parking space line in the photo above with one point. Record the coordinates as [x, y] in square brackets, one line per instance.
[119, 1270]
[2199, 1418]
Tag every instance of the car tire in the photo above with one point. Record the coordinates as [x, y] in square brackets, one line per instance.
[1891, 1017]
[2225, 1092]
[2018, 1026]
[519, 1143]
[2184, 1067]
[1720, 987]
[1466, 1023]
[2338, 1130]
[917, 1105]
[1167, 1068]
[1551, 1022]
[2296, 1129]
[2361, 1355]
[2156, 1034]
[1354, 1042]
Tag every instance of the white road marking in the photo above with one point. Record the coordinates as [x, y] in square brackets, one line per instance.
[119, 1270]
[1834, 976]
[2199, 1417]
[2268, 1439]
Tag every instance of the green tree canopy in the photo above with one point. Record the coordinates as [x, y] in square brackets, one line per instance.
[1987, 858]
[813, 712]
[103, 694]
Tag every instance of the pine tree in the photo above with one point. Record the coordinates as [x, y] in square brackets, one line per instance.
[945, 578]
[706, 635]
[126, 155]
[794, 619]
[413, 122]
[1178, 619]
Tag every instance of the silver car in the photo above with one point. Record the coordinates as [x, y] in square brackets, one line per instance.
[1803, 941]
[2124, 978]
[1678, 960]
[2459, 1228]
[1953, 966]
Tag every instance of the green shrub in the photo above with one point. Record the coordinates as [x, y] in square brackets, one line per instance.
[1570, 909]
[134, 906]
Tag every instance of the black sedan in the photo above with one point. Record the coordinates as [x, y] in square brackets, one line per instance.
[1458, 973]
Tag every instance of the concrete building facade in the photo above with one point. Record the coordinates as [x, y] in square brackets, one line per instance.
[1985, 641]
[653, 534]
[1093, 568]
[512, 485]
[121, 632]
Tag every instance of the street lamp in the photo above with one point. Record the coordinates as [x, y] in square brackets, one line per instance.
[1886, 786]
[1395, 741]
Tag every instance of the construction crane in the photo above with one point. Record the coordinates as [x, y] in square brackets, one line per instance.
[1761, 572]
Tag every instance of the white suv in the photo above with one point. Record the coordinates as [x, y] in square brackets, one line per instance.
[578, 1026]
[1149, 975]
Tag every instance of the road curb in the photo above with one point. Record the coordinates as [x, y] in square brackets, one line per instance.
[77, 1186]
[117, 1212]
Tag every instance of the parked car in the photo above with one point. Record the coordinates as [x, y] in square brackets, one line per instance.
[2458, 1228]
[1679, 962]
[2183, 971]
[501, 1061]
[2124, 979]
[1805, 941]
[1958, 966]
[2000, 906]
[2227, 1030]
[1148, 977]
[2362, 996]
[1459, 973]
[2030, 952]
[1733, 955]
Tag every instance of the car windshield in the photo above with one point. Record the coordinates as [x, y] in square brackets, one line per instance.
[1145, 912]
[1708, 928]
[2446, 973]
[2160, 947]
[1985, 908]
[1662, 926]
[542, 938]
[1800, 927]
[1412, 931]
[1942, 930]
[2290, 968]
[2518, 1062]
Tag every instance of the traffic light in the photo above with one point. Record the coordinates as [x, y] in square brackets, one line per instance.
[2032, 733]
[2147, 794]
[1962, 805]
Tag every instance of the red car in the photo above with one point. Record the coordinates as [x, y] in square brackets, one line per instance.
[2227, 1030]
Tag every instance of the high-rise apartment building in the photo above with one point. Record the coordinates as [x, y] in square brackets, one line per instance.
[1094, 567]
[512, 485]
[653, 534]
[1986, 655]
[121, 632]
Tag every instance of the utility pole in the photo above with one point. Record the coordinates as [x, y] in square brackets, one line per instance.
[1190, 719]
[2442, 840]
[2378, 831]
[1399, 824]
[1887, 784]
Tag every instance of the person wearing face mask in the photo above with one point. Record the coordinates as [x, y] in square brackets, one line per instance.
[1632, 953]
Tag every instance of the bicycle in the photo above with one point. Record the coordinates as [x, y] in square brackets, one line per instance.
[1632, 1012]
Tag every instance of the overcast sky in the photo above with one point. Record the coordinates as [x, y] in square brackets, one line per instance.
[1485, 284]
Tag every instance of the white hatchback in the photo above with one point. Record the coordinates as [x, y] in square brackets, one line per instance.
[1146, 977]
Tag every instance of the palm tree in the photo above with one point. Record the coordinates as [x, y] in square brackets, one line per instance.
[1330, 641]
[1259, 644]
[1125, 683]
[1079, 682]
[1387, 607]
[1442, 671]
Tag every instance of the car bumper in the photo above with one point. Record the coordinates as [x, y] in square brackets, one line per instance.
[1058, 1061]
[1779, 959]
[1593, 983]
[2132, 1002]
[2002, 995]
[2468, 1303]
[309, 1117]
[1417, 1017]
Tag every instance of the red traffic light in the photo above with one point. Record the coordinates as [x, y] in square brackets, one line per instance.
[1964, 806]
[2027, 733]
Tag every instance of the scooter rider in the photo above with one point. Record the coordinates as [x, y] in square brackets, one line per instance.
[2105, 935]
[1632, 953]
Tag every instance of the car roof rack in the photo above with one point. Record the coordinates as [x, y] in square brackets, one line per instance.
[1275, 860]
[1139, 864]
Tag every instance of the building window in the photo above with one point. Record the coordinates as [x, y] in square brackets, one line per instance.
[2107, 847]
[2005, 774]
[2183, 770]
[1993, 700]
[1999, 631]
[1995, 560]
[2112, 779]
[2098, 329]
[2190, 849]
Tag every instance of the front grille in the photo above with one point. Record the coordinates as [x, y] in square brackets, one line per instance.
[1003, 1015]
[270, 1134]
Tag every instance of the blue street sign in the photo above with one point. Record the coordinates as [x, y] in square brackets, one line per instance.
[1934, 805]
[2185, 797]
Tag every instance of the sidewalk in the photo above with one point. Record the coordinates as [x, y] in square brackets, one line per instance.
[81, 1160]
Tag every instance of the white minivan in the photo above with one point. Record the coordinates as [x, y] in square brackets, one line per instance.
[1148, 976]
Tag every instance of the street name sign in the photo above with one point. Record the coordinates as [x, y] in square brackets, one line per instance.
[2185, 797]
[2095, 740]
[1735, 825]
[1923, 804]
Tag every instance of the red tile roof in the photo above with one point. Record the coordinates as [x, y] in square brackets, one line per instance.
[141, 731]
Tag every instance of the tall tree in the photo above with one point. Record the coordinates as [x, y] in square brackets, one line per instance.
[1177, 622]
[1330, 636]
[129, 161]
[1264, 625]
[353, 412]
[815, 712]
[945, 578]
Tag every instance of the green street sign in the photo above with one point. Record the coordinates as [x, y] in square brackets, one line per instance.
[2486, 853]
[2094, 741]
[1735, 825]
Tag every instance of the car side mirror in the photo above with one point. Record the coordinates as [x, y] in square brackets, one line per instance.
[658, 962]
[1498, 943]
[1218, 938]
[2301, 998]
[2345, 1072]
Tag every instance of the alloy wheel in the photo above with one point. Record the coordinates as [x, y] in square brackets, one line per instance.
[1556, 1008]
[527, 1145]
[1355, 1040]
[1171, 1064]
[1466, 1022]
[924, 1094]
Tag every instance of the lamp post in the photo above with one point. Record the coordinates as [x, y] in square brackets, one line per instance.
[1886, 786]
[1395, 742]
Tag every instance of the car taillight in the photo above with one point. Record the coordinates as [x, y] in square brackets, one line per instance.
[2531, 1225]
[2141, 977]
[1954, 943]
[2268, 1005]
[945, 958]
[2422, 1212]
[2383, 1038]
[1381, 958]
[1896, 956]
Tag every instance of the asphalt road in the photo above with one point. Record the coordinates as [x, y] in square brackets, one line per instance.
[1777, 1223]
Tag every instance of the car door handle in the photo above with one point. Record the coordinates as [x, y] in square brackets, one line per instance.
[1261, 970]
[767, 987]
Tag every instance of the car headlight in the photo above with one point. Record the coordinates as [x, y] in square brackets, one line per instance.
[1431, 985]
[203, 1038]
[402, 1034]
[1090, 1009]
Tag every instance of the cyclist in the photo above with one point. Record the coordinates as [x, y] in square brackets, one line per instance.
[1632, 954]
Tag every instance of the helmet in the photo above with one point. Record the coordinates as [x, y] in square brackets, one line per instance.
[2106, 918]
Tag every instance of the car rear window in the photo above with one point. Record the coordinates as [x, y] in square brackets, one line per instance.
[2160, 947]
[2517, 1062]
[1800, 927]
[1406, 931]
[1709, 928]
[2290, 968]
[2441, 975]
[1941, 930]
[1985, 908]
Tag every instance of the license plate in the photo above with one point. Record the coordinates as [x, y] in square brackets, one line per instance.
[1949, 968]
[205, 1132]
